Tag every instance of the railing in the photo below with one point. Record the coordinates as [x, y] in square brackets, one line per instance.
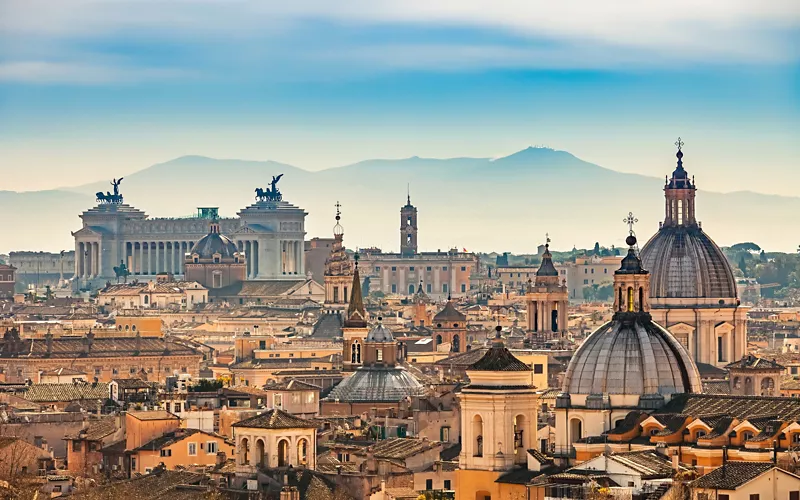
[564, 452]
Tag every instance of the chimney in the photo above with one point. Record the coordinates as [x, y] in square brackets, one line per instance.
[221, 458]
[48, 340]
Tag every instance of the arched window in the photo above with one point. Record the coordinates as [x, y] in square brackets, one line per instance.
[746, 436]
[621, 304]
[146, 300]
[302, 452]
[641, 299]
[438, 339]
[283, 453]
[260, 455]
[554, 320]
[353, 353]
[520, 443]
[358, 352]
[477, 432]
[576, 429]
[244, 448]
[456, 344]
[767, 386]
[630, 300]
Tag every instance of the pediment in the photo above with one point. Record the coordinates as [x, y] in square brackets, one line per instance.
[681, 328]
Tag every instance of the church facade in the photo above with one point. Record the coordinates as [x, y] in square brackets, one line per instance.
[269, 234]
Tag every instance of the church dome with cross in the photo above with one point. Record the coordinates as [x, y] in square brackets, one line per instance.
[631, 361]
[684, 261]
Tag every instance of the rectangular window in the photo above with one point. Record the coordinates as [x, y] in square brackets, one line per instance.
[429, 484]
[192, 449]
[444, 268]
[726, 497]
[793, 495]
[394, 288]
[166, 452]
[429, 288]
[463, 268]
[115, 371]
[77, 446]
[132, 370]
[97, 371]
[754, 496]
[411, 268]
[211, 447]
[428, 269]
[262, 344]
[310, 397]
[394, 268]
[379, 354]
[377, 269]
[447, 484]
[133, 463]
[277, 401]
[463, 287]
[444, 287]
[585, 282]
[538, 368]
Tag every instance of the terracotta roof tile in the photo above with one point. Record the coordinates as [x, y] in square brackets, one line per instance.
[276, 419]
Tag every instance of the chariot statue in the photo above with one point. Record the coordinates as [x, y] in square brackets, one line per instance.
[270, 194]
[107, 197]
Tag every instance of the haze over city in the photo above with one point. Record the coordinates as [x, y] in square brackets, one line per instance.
[399, 250]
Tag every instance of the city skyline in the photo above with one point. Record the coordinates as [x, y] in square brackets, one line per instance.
[96, 87]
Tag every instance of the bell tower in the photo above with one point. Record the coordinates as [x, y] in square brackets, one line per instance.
[408, 228]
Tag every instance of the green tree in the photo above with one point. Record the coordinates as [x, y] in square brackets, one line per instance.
[597, 248]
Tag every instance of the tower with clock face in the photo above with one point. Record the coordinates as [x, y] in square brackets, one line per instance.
[408, 229]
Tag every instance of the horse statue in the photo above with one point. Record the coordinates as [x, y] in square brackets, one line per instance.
[107, 197]
[122, 271]
[272, 194]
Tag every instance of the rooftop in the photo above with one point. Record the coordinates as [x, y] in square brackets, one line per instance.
[276, 419]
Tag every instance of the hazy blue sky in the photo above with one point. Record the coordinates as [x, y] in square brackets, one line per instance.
[95, 89]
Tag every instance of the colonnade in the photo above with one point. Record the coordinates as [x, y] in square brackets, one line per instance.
[147, 258]
[291, 257]
[88, 263]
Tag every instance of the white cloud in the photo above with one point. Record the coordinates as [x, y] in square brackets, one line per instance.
[81, 73]
[537, 33]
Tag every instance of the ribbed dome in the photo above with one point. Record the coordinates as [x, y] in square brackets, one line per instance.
[631, 355]
[377, 385]
[213, 243]
[380, 334]
[685, 263]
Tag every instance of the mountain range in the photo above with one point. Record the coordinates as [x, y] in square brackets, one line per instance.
[481, 204]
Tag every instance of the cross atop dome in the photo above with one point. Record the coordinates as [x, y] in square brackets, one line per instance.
[338, 230]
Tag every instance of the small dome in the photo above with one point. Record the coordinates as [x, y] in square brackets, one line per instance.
[631, 355]
[380, 334]
[685, 263]
[214, 243]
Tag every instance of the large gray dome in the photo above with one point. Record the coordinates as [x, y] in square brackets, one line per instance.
[685, 263]
[631, 356]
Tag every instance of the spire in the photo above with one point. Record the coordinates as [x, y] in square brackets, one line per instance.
[680, 178]
[631, 264]
[356, 314]
[338, 230]
[547, 268]
[408, 194]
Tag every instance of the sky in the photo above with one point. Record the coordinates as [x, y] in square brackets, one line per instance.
[98, 89]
